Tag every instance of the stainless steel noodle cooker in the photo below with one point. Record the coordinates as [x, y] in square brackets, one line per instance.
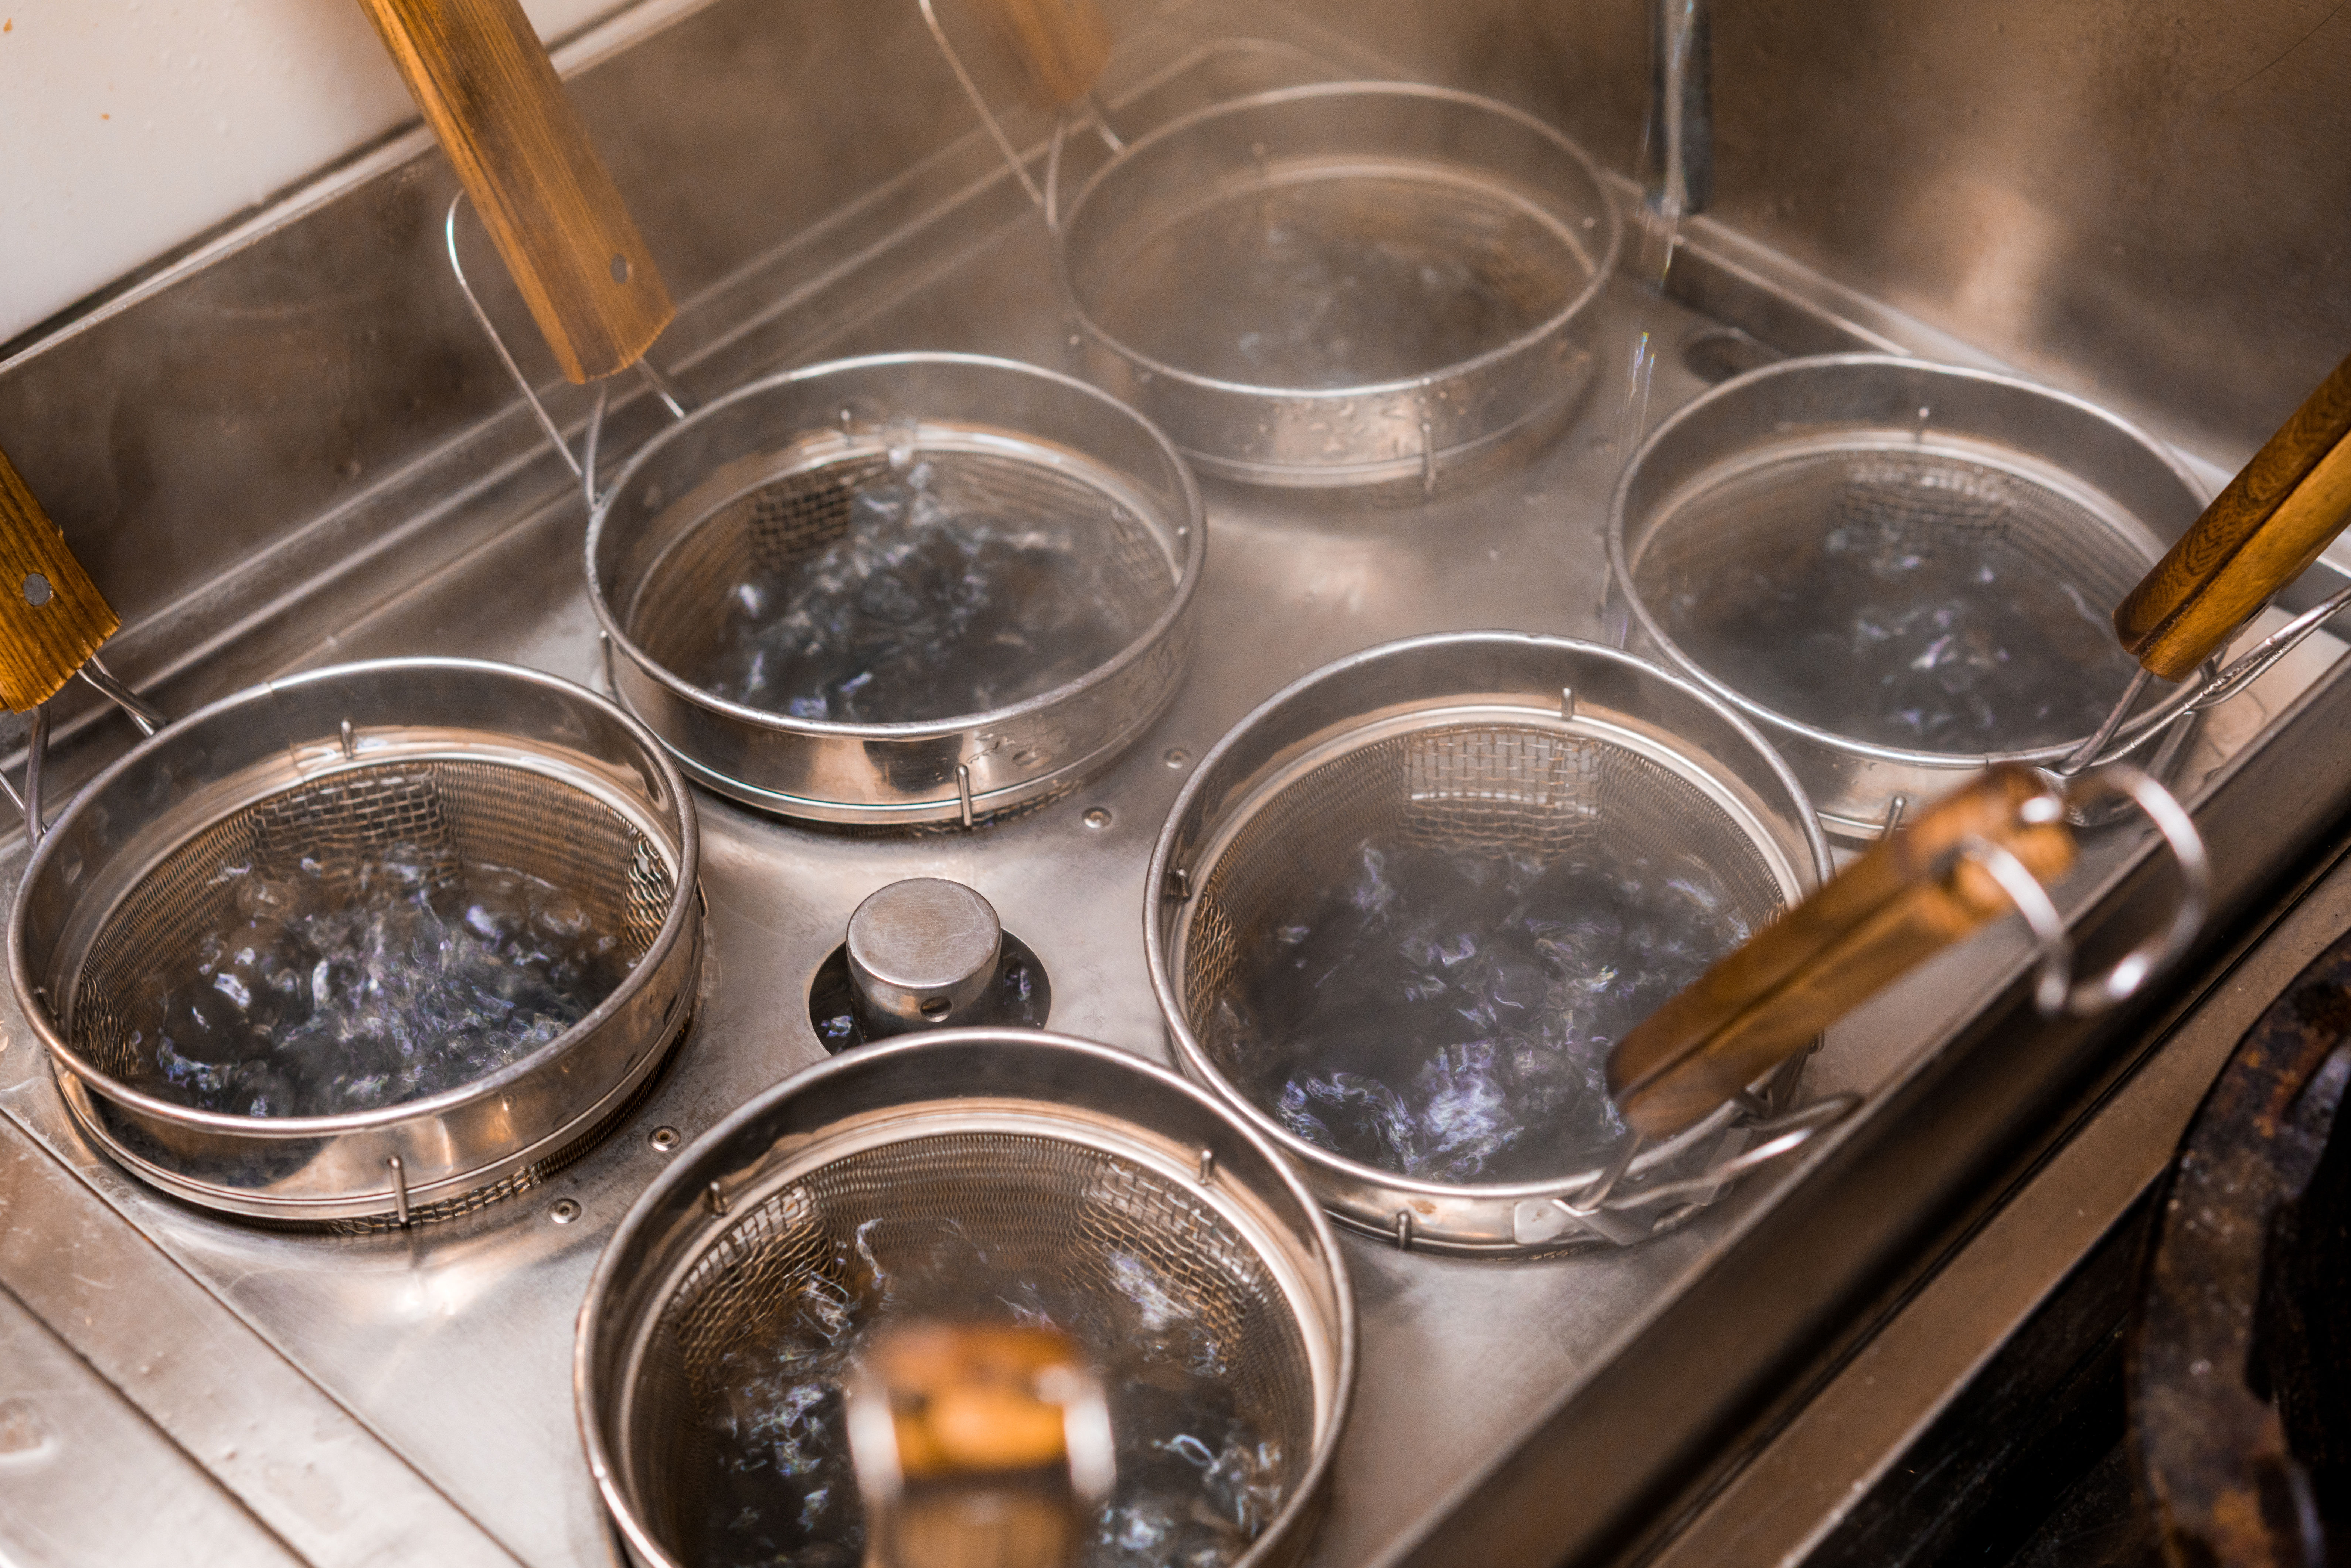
[465, 762]
[1485, 741]
[1054, 1159]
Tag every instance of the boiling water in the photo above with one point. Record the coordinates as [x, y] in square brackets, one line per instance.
[1197, 1480]
[347, 986]
[1340, 283]
[1953, 647]
[1449, 1016]
[921, 610]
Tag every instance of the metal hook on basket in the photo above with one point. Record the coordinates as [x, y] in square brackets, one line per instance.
[2257, 661]
[2054, 947]
[2057, 992]
[142, 713]
[1782, 1135]
[583, 469]
[1045, 199]
[2157, 951]
[2114, 739]
[1593, 1198]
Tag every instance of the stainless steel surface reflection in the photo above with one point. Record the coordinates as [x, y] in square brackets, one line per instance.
[442, 1357]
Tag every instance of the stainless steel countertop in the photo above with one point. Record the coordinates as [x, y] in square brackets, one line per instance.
[435, 1365]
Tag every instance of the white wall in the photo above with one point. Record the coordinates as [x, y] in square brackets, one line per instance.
[128, 126]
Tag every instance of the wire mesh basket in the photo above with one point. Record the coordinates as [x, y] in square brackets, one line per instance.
[1345, 284]
[448, 765]
[972, 1174]
[1044, 664]
[1490, 750]
[1903, 572]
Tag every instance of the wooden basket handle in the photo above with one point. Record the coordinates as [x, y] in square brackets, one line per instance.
[1057, 47]
[2257, 535]
[483, 80]
[52, 616]
[1907, 896]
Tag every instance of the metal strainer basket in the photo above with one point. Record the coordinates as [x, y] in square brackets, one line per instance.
[1954, 472]
[764, 479]
[1484, 741]
[1343, 285]
[1073, 1164]
[460, 762]
[1378, 287]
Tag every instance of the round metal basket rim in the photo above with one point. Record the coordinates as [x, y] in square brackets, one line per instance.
[1743, 384]
[1603, 269]
[272, 1129]
[1194, 1056]
[1193, 523]
[681, 1171]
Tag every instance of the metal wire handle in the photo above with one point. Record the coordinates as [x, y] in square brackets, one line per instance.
[1046, 200]
[2056, 993]
[1599, 1201]
[2116, 740]
[673, 397]
[2160, 949]
[1782, 1135]
[144, 714]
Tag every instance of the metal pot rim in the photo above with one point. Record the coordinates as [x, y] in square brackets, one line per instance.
[1603, 269]
[270, 1129]
[1305, 1497]
[1195, 1057]
[1744, 384]
[1194, 524]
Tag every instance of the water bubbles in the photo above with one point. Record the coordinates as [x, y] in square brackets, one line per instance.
[352, 983]
[1448, 1015]
[1931, 641]
[921, 610]
[1342, 282]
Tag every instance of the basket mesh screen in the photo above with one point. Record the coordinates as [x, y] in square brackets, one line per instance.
[1933, 504]
[1037, 1208]
[675, 614]
[1904, 598]
[454, 812]
[1343, 280]
[1531, 791]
